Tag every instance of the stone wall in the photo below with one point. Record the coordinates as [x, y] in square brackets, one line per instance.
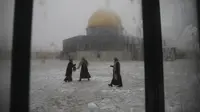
[44, 55]
[88, 43]
[169, 54]
[121, 55]
[108, 47]
[100, 55]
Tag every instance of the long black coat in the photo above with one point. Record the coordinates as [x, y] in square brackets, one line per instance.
[116, 80]
[70, 66]
[84, 69]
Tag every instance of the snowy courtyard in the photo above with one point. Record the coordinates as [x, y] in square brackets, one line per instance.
[49, 93]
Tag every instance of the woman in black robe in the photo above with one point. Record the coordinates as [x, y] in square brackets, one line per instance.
[116, 80]
[84, 74]
[70, 68]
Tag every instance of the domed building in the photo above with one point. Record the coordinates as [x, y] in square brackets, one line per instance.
[104, 40]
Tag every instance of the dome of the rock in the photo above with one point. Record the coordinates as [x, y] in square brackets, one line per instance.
[104, 18]
[103, 40]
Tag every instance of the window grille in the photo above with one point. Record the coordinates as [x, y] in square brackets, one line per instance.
[154, 88]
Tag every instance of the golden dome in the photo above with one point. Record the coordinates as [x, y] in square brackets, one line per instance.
[104, 18]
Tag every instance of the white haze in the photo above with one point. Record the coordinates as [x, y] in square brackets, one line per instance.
[55, 20]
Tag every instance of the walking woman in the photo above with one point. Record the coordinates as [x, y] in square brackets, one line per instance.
[84, 74]
[116, 80]
[70, 67]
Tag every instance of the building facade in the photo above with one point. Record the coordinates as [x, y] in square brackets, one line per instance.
[104, 40]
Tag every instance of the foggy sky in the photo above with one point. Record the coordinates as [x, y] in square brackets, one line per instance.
[61, 19]
[55, 20]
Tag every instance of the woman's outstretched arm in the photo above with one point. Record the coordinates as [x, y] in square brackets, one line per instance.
[79, 65]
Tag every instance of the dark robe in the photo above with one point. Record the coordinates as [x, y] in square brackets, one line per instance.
[116, 80]
[84, 74]
[69, 70]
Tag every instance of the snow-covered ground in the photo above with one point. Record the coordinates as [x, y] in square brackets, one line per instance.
[50, 94]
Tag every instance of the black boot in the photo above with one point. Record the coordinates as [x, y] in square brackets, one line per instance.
[88, 79]
[70, 79]
[65, 80]
[110, 85]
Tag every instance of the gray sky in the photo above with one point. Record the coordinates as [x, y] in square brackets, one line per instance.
[55, 20]
[60, 19]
